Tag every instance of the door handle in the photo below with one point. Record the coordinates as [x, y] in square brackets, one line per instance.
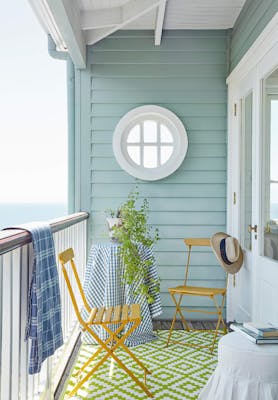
[252, 228]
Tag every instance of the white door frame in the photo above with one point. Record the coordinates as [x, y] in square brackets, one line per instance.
[260, 59]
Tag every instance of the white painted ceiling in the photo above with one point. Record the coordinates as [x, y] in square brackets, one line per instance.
[100, 4]
[180, 14]
[73, 24]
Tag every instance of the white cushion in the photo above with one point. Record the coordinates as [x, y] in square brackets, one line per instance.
[245, 371]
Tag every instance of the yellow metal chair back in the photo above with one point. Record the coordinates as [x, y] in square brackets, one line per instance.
[126, 317]
[177, 293]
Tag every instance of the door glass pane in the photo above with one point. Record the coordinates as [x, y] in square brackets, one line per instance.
[270, 184]
[246, 179]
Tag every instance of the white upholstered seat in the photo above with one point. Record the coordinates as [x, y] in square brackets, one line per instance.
[245, 371]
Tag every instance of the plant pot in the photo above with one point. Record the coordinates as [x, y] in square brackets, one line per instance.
[111, 222]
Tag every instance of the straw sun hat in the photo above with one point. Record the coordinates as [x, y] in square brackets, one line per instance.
[228, 252]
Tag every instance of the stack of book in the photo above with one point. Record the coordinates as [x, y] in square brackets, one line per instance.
[257, 332]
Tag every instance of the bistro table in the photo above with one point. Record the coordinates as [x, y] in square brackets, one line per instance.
[103, 287]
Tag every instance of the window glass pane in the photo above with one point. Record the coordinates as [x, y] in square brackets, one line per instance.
[150, 156]
[134, 135]
[270, 181]
[165, 135]
[274, 202]
[274, 140]
[150, 131]
[134, 154]
[273, 189]
[165, 153]
[246, 177]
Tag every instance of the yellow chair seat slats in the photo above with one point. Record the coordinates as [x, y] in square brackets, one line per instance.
[119, 314]
[177, 293]
[198, 291]
[126, 317]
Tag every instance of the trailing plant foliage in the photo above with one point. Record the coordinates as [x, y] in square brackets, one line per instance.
[134, 231]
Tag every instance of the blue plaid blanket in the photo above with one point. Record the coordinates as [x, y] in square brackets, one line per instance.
[43, 325]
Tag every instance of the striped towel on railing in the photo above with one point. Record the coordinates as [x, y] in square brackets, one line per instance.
[43, 325]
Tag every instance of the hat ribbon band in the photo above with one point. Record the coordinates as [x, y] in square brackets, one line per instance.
[223, 252]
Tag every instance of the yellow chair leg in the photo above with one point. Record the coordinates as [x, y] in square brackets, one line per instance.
[130, 353]
[110, 338]
[220, 320]
[171, 328]
[120, 343]
[110, 353]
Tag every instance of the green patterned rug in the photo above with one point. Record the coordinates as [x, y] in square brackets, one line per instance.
[178, 372]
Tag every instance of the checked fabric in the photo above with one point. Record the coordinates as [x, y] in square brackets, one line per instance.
[43, 326]
[103, 287]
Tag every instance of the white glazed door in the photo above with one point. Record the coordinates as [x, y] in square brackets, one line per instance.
[247, 207]
[253, 189]
[244, 221]
[265, 297]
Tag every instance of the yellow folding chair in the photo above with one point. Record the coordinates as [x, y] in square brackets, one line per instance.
[178, 292]
[104, 316]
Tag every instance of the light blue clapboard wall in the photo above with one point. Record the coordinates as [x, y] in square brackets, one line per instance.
[186, 74]
[253, 18]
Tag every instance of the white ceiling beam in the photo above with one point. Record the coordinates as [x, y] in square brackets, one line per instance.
[98, 19]
[159, 23]
[65, 14]
[210, 3]
[131, 11]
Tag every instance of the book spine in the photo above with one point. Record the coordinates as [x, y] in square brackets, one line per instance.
[267, 341]
[268, 334]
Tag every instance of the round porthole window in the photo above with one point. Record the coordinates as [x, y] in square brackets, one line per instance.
[150, 142]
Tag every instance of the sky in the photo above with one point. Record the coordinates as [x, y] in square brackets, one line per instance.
[33, 114]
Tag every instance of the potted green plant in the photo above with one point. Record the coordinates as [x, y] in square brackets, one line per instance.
[133, 233]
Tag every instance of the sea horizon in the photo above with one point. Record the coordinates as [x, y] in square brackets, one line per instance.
[15, 213]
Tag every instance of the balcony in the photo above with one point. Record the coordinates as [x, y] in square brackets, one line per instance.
[16, 260]
[215, 68]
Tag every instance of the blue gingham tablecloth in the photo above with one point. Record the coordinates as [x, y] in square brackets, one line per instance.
[103, 287]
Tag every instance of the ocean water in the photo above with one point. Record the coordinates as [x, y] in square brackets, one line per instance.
[12, 214]
[274, 211]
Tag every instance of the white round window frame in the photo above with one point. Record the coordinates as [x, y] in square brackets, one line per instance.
[163, 116]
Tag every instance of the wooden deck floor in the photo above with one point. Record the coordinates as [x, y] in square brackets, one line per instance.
[166, 324]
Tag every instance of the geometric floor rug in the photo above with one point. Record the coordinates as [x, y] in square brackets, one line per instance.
[178, 372]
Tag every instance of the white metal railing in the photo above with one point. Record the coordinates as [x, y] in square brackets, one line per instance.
[15, 274]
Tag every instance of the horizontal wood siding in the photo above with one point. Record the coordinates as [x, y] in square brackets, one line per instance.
[186, 74]
[253, 18]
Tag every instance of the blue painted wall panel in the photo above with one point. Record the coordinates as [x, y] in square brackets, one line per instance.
[253, 18]
[187, 75]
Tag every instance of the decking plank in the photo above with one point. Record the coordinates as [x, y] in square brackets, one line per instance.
[166, 324]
